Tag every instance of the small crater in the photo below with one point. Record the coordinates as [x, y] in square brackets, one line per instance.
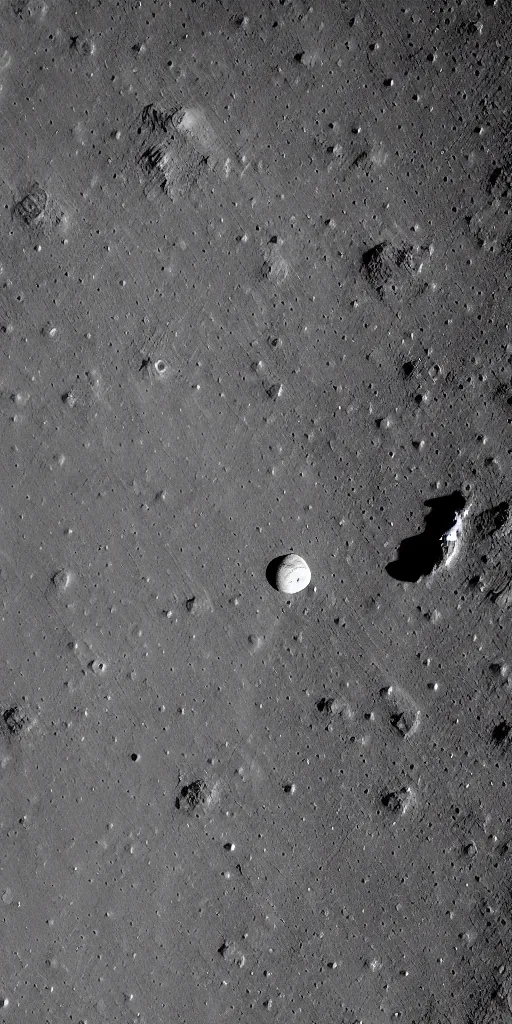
[31, 208]
[390, 269]
[307, 59]
[333, 707]
[405, 723]
[229, 951]
[62, 580]
[405, 715]
[378, 267]
[408, 368]
[500, 183]
[325, 705]
[198, 795]
[199, 605]
[38, 213]
[98, 667]
[398, 801]
[69, 398]
[194, 794]
[84, 46]
[275, 267]
[470, 849]
[501, 732]
[275, 391]
[15, 720]
[255, 642]
[29, 9]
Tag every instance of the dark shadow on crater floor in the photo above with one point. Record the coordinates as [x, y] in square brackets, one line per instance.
[419, 556]
[501, 732]
[271, 571]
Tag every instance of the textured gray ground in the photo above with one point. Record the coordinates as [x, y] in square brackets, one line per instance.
[255, 297]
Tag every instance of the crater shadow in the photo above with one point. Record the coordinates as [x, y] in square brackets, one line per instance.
[501, 732]
[271, 571]
[418, 556]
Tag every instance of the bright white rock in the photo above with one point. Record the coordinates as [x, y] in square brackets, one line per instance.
[293, 574]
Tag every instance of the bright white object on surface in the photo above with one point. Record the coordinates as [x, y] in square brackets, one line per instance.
[293, 574]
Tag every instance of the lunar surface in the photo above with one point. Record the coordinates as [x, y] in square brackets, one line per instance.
[255, 289]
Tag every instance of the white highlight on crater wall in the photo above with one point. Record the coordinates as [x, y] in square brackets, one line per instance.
[452, 539]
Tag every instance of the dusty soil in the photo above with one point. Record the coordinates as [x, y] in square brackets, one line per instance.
[254, 299]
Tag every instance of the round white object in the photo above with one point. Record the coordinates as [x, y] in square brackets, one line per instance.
[293, 574]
